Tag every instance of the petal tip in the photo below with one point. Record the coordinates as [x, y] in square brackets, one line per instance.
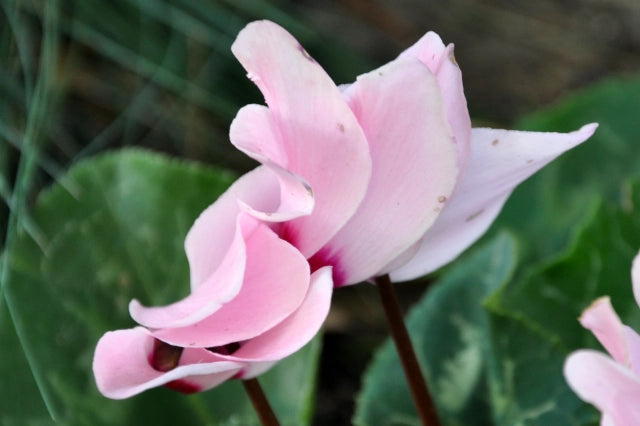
[600, 301]
[635, 278]
[589, 129]
[134, 308]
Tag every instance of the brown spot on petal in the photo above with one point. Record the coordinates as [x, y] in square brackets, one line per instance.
[529, 161]
[437, 209]
[442, 199]
[305, 53]
[453, 58]
[165, 357]
[495, 142]
[473, 216]
[341, 127]
[308, 188]
[228, 349]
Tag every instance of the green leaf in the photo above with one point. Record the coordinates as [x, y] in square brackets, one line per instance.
[119, 235]
[535, 318]
[525, 379]
[585, 224]
[585, 219]
[504, 366]
[564, 193]
[449, 329]
[598, 263]
[21, 402]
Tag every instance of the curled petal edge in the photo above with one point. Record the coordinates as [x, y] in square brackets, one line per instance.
[121, 366]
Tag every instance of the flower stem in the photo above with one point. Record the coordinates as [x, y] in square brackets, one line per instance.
[260, 403]
[417, 384]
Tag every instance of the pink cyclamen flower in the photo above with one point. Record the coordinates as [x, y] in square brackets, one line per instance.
[399, 181]
[255, 303]
[381, 176]
[611, 384]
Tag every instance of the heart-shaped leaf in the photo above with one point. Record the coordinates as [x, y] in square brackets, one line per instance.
[113, 232]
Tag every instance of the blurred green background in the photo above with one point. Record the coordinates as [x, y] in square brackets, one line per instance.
[81, 77]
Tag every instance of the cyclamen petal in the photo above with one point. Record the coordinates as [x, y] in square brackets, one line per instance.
[635, 278]
[621, 341]
[599, 380]
[633, 349]
[122, 369]
[412, 181]
[500, 160]
[604, 323]
[253, 132]
[275, 284]
[611, 384]
[297, 329]
[312, 123]
[262, 352]
[220, 288]
[441, 62]
[210, 237]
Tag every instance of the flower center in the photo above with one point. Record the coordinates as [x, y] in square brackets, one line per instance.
[227, 349]
[165, 357]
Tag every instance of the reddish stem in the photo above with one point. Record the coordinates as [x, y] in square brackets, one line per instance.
[260, 403]
[417, 384]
